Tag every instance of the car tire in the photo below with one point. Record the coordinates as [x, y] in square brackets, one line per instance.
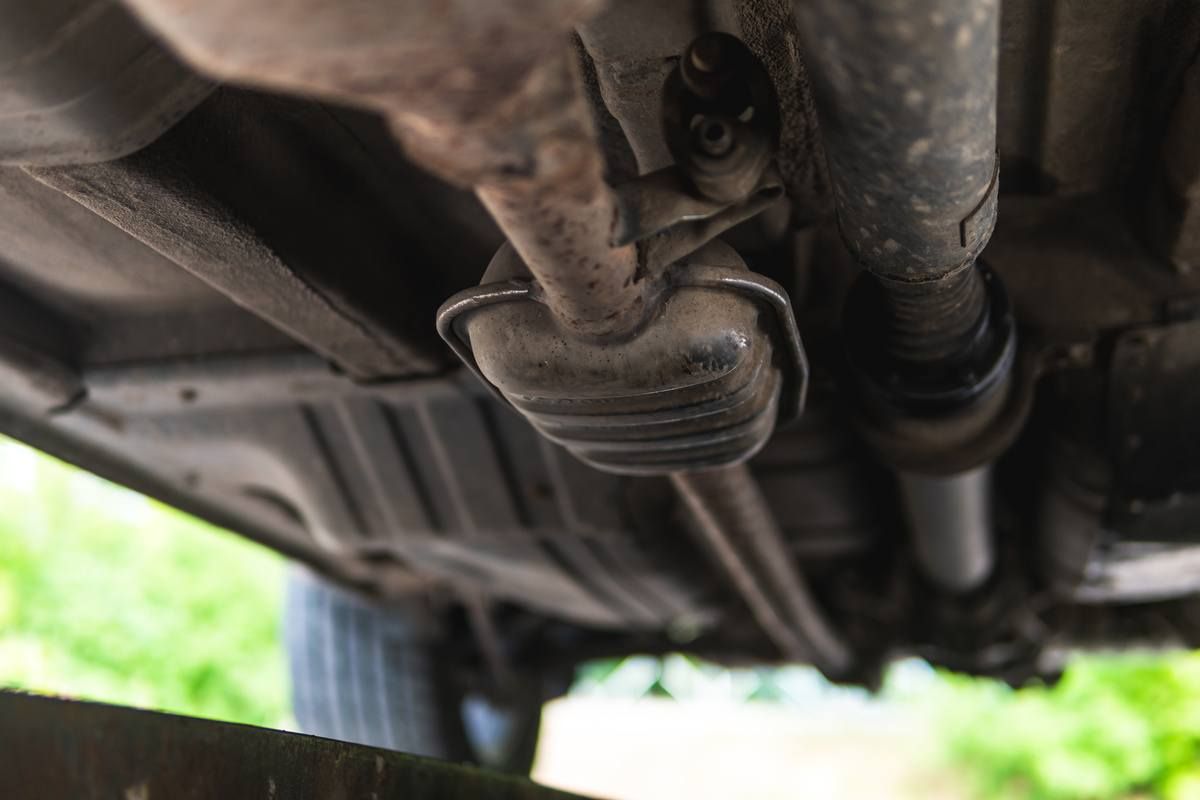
[375, 674]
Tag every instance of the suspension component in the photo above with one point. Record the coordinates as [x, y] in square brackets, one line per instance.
[907, 100]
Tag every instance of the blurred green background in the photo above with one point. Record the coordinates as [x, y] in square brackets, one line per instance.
[107, 595]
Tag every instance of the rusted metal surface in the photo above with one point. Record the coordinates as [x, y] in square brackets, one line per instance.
[721, 117]
[1087, 98]
[61, 748]
[454, 76]
[1101, 82]
[561, 219]
[483, 93]
[732, 518]
[1086, 87]
[635, 45]
[769, 30]
[700, 385]
[177, 208]
[1175, 208]
[83, 82]
[669, 222]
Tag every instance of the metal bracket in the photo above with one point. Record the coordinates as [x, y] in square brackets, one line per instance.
[670, 221]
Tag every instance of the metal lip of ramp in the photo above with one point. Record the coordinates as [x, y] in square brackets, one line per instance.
[54, 748]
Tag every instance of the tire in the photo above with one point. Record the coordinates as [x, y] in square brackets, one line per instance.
[372, 674]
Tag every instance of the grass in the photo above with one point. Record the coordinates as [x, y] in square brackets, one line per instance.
[107, 595]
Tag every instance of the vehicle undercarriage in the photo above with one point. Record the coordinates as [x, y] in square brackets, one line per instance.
[621, 326]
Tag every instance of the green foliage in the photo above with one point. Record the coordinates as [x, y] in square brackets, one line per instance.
[1114, 726]
[109, 596]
